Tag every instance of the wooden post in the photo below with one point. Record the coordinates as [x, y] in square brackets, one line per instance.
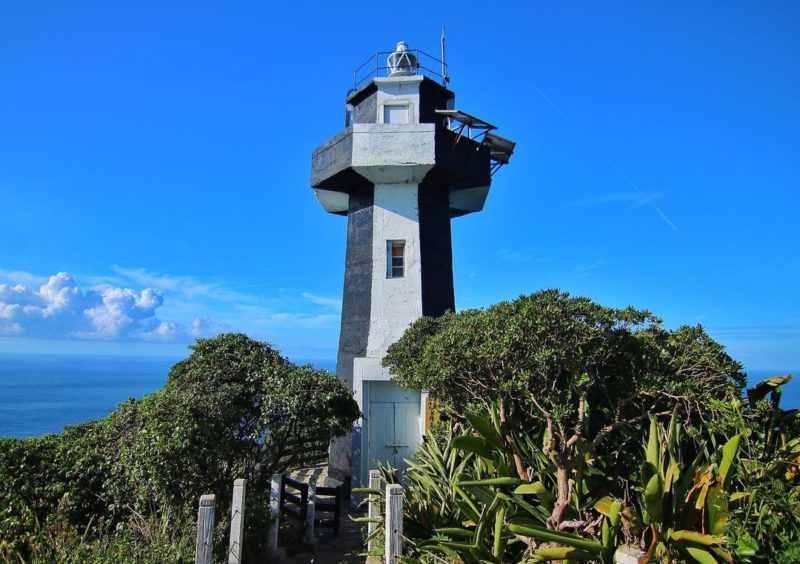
[274, 511]
[374, 507]
[394, 522]
[237, 522]
[311, 510]
[205, 530]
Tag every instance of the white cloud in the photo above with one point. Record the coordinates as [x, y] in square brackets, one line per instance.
[13, 328]
[333, 303]
[515, 255]
[59, 309]
[583, 270]
[139, 305]
[635, 198]
[18, 277]
[188, 287]
[165, 331]
[201, 328]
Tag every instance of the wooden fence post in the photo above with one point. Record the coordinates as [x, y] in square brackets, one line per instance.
[274, 511]
[237, 522]
[205, 530]
[373, 508]
[394, 522]
[311, 510]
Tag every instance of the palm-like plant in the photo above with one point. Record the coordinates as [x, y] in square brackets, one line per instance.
[684, 505]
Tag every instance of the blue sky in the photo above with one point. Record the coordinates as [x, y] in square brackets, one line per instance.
[158, 154]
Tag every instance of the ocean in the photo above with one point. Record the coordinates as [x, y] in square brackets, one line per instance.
[40, 394]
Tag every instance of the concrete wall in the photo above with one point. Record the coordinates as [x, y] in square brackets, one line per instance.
[436, 249]
[396, 302]
[356, 305]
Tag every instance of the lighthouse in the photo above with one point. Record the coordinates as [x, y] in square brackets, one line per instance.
[406, 163]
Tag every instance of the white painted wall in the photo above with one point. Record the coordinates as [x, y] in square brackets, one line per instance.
[395, 158]
[398, 90]
[393, 154]
[396, 302]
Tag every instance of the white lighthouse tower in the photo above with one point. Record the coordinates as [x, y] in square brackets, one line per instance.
[405, 164]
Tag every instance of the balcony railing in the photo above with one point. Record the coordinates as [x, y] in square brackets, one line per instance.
[376, 66]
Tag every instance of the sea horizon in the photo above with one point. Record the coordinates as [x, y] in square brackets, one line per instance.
[44, 392]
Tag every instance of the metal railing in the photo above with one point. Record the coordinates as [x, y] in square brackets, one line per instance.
[376, 66]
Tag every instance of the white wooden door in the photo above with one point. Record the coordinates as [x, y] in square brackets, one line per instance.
[393, 426]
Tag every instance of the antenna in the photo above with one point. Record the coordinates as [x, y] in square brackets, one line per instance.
[445, 76]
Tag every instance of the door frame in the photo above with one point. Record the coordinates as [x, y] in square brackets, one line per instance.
[363, 456]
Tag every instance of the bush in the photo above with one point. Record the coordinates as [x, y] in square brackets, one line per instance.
[580, 373]
[226, 412]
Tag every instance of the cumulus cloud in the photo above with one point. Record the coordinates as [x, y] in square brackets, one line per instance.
[58, 308]
[201, 328]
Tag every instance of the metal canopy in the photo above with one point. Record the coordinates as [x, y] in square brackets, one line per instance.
[500, 148]
[462, 122]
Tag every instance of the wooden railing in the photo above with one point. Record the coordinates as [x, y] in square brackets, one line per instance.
[305, 452]
[311, 505]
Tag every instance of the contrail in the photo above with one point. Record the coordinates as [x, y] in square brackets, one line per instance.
[603, 156]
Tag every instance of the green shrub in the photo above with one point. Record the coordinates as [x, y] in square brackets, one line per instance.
[582, 374]
[226, 412]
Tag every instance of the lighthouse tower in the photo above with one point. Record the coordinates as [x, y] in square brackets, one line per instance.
[405, 164]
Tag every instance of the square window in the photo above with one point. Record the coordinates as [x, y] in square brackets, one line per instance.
[396, 113]
[395, 255]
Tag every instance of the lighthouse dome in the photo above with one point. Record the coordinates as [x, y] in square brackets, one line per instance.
[402, 62]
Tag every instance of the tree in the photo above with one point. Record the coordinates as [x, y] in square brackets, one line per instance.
[577, 370]
[227, 411]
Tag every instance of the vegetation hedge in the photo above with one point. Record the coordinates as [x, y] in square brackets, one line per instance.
[576, 428]
[226, 412]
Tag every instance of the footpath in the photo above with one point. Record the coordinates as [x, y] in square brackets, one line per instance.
[327, 548]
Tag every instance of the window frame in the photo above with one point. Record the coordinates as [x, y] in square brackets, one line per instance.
[391, 245]
[405, 103]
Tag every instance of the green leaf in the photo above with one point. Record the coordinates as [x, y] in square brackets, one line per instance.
[508, 481]
[616, 510]
[603, 505]
[473, 444]
[472, 512]
[499, 520]
[764, 387]
[486, 430]
[747, 546]
[369, 491]
[540, 490]
[728, 454]
[455, 532]
[736, 496]
[547, 554]
[653, 499]
[696, 538]
[717, 505]
[653, 443]
[546, 535]
[366, 519]
[700, 555]
[531, 488]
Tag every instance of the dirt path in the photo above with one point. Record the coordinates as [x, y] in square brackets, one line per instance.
[327, 548]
